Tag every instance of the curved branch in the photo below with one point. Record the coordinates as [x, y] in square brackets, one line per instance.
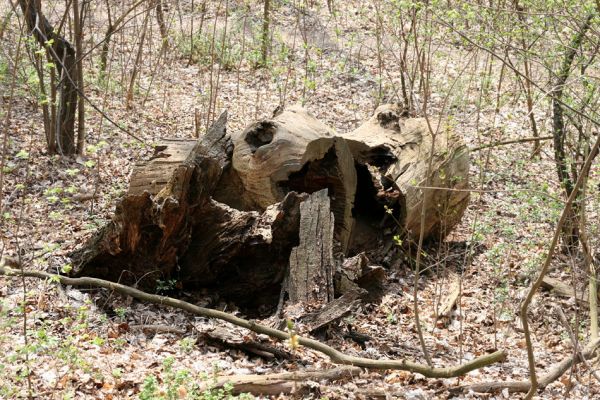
[524, 386]
[336, 356]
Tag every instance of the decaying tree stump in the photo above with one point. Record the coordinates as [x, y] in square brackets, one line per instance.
[226, 213]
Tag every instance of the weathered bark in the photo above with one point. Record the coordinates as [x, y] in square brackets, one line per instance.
[312, 266]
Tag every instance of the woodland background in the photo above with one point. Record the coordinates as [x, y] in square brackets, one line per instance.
[518, 80]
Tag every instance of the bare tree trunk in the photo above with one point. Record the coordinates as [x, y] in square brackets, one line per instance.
[77, 18]
[527, 67]
[63, 55]
[112, 27]
[265, 32]
[138, 60]
[162, 26]
[570, 228]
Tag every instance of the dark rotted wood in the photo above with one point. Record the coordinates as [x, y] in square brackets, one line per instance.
[349, 271]
[153, 223]
[177, 230]
[312, 265]
[239, 254]
[355, 273]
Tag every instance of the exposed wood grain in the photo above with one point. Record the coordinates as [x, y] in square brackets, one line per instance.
[312, 266]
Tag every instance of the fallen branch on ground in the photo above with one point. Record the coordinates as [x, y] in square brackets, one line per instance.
[574, 341]
[336, 356]
[274, 384]
[523, 386]
[159, 329]
[523, 140]
[563, 290]
[446, 308]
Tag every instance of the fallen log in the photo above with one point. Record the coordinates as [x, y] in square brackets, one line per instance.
[563, 289]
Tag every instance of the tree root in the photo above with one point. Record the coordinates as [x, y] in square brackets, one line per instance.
[335, 356]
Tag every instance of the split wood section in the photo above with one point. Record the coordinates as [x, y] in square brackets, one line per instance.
[223, 213]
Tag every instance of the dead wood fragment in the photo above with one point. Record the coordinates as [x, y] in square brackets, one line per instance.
[588, 352]
[282, 383]
[334, 310]
[310, 276]
[159, 329]
[574, 342]
[335, 356]
[450, 301]
[383, 394]
[562, 289]
[373, 281]
[226, 338]
[358, 337]
[355, 272]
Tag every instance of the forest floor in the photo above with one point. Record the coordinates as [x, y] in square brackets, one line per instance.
[85, 344]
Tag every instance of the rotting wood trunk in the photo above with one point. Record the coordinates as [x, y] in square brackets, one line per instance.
[396, 151]
[233, 214]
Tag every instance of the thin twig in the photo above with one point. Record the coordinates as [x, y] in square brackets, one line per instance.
[574, 341]
[523, 140]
